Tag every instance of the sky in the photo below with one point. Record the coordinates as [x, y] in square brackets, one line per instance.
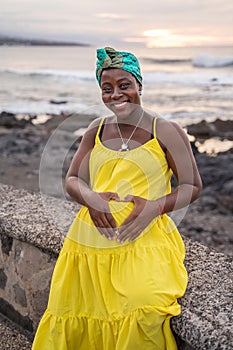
[150, 23]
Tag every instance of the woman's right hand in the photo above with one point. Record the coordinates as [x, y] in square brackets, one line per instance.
[100, 213]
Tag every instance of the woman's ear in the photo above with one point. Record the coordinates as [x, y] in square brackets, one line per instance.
[140, 90]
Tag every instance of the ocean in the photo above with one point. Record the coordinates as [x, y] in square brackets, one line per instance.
[185, 84]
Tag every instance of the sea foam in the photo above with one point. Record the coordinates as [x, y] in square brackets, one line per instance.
[80, 75]
[208, 61]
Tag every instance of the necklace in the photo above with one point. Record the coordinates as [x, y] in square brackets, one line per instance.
[124, 146]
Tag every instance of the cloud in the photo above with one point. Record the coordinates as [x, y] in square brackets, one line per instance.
[161, 37]
[106, 21]
[169, 38]
[112, 16]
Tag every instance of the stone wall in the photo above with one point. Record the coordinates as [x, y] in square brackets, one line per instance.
[31, 235]
[25, 274]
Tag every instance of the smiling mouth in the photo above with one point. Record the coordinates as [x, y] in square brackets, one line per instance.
[120, 105]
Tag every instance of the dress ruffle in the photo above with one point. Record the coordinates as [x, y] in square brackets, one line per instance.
[144, 328]
[116, 298]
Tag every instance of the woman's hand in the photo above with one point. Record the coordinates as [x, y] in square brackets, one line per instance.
[143, 213]
[100, 213]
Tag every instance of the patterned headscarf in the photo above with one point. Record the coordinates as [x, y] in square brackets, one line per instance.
[110, 58]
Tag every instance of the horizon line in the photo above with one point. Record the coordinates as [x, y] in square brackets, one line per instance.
[10, 40]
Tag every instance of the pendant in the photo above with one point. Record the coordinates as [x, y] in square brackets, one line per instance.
[124, 147]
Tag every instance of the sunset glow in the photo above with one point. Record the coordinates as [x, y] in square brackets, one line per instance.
[172, 23]
[168, 38]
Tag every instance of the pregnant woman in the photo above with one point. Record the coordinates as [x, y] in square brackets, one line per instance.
[120, 271]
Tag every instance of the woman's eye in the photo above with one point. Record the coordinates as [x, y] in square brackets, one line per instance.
[124, 85]
[106, 90]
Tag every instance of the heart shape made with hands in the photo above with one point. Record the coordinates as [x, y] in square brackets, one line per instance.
[121, 208]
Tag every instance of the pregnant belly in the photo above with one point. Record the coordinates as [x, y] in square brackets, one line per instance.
[84, 231]
[120, 210]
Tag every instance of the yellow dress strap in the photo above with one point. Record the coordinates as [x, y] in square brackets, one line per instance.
[97, 139]
[154, 127]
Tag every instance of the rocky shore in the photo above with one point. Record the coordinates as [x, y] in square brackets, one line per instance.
[208, 220]
[10, 41]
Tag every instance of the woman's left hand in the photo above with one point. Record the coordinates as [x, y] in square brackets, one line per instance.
[143, 213]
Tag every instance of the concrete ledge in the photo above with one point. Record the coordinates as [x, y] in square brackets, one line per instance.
[207, 318]
[12, 338]
[35, 219]
[32, 230]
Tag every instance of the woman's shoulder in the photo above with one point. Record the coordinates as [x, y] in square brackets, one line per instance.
[88, 139]
[93, 127]
[164, 124]
[95, 123]
[168, 131]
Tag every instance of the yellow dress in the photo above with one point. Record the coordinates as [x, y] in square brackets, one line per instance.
[107, 295]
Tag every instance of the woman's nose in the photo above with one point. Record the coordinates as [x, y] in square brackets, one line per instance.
[116, 93]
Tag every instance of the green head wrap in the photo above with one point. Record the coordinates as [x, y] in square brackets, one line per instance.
[110, 58]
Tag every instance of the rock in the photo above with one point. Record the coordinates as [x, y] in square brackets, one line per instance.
[204, 130]
[13, 338]
[228, 188]
[213, 170]
[56, 102]
[209, 201]
[227, 202]
[194, 148]
[3, 279]
[8, 120]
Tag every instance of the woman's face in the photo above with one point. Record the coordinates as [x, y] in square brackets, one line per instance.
[120, 91]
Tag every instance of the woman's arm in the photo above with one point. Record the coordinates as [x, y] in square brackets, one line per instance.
[77, 178]
[77, 185]
[180, 159]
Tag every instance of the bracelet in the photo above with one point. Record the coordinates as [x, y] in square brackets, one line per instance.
[160, 209]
